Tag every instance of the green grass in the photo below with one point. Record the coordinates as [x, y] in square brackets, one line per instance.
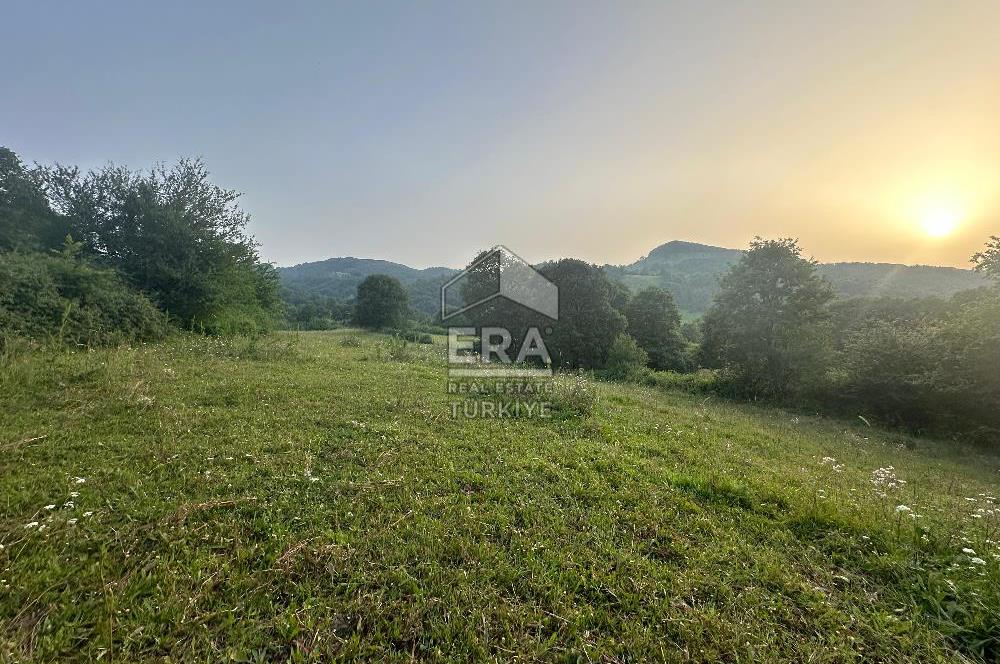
[310, 498]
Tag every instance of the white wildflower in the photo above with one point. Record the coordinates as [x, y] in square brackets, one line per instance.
[977, 561]
[50, 507]
[71, 521]
[87, 513]
[33, 524]
[79, 480]
[969, 551]
[74, 494]
[903, 508]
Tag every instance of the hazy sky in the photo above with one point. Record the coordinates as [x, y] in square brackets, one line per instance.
[419, 132]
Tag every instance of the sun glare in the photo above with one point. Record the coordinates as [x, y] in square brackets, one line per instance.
[940, 222]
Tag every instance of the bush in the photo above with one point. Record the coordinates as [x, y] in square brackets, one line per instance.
[60, 297]
[626, 360]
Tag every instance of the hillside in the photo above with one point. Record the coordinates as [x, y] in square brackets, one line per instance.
[214, 499]
[338, 278]
[690, 271]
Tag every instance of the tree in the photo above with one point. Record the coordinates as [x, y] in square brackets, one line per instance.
[382, 302]
[27, 222]
[654, 322]
[588, 323]
[988, 260]
[174, 235]
[767, 326]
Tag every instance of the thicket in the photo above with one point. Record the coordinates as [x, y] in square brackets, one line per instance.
[118, 252]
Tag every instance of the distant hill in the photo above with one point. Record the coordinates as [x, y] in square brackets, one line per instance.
[338, 278]
[690, 271]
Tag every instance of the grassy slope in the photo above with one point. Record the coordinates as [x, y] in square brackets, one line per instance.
[255, 504]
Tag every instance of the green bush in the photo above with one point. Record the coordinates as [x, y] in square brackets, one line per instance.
[626, 360]
[62, 298]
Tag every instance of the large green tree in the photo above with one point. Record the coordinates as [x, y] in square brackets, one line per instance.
[655, 324]
[588, 322]
[382, 302]
[767, 327]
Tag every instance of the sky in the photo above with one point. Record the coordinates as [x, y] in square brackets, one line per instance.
[420, 132]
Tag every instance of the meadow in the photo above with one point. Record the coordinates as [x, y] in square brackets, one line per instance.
[308, 497]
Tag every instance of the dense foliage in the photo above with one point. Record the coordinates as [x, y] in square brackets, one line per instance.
[60, 297]
[588, 323]
[174, 235]
[27, 221]
[170, 235]
[765, 330]
[382, 303]
[653, 321]
[626, 359]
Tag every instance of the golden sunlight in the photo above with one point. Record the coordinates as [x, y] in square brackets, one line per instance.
[940, 221]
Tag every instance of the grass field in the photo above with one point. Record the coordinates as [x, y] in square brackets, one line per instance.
[310, 498]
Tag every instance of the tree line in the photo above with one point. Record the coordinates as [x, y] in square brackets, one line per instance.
[118, 254]
[775, 332]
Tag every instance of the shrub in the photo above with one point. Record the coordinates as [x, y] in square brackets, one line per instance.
[60, 297]
[626, 360]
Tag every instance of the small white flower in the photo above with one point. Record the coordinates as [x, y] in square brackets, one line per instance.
[79, 480]
[69, 504]
[87, 513]
[71, 521]
[968, 551]
[977, 561]
[33, 524]
[903, 508]
[74, 494]
[50, 507]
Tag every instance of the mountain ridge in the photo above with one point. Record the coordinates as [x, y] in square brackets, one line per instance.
[689, 270]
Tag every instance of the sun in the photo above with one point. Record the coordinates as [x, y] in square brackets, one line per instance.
[939, 222]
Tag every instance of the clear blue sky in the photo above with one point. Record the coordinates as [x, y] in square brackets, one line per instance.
[419, 132]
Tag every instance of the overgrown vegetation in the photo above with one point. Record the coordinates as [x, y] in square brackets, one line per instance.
[60, 298]
[169, 235]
